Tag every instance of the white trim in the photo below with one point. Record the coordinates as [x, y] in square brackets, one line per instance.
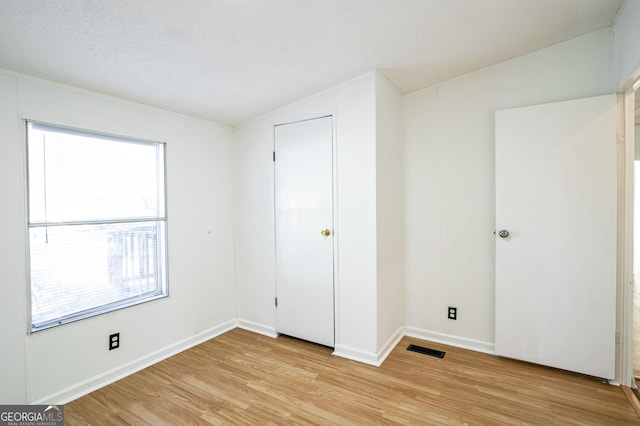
[625, 279]
[357, 355]
[86, 386]
[451, 340]
[258, 328]
[369, 357]
[390, 345]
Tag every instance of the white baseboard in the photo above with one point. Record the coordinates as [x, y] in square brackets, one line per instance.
[390, 345]
[356, 355]
[451, 340]
[370, 358]
[87, 386]
[257, 328]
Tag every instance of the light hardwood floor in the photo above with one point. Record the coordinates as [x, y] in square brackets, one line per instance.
[245, 378]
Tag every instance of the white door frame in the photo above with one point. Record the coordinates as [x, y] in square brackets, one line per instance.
[626, 156]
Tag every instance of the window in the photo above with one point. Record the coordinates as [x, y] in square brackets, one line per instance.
[97, 223]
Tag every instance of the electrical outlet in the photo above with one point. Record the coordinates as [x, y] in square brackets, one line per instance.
[453, 313]
[114, 341]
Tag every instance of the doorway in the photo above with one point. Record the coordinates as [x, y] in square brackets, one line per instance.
[303, 177]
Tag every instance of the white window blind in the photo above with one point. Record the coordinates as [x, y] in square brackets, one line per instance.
[97, 223]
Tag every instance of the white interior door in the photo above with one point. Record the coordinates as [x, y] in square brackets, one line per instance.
[304, 229]
[556, 270]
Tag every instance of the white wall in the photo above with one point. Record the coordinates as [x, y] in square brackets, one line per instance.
[254, 225]
[13, 315]
[356, 295]
[449, 180]
[57, 364]
[627, 41]
[390, 213]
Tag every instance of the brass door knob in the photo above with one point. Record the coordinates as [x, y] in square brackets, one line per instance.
[325, 232]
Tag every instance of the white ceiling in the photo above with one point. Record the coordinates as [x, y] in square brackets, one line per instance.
[230, 60]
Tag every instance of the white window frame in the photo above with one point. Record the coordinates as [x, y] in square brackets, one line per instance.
[162, 253]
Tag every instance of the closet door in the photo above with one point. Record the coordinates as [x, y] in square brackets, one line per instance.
[304, 229]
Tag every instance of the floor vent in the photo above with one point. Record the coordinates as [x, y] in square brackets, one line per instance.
[426, 351]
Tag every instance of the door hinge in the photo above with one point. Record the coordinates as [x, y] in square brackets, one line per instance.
[274, 156]
[276, 300]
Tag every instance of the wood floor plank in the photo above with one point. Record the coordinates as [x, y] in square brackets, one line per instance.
[245, 378]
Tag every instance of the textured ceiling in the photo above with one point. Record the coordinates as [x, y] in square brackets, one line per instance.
[230, 60]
